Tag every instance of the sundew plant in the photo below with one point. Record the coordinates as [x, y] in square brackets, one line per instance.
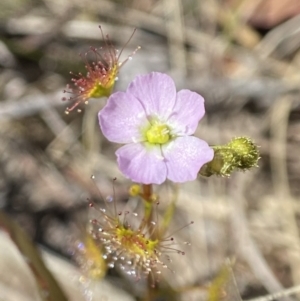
[153, 126]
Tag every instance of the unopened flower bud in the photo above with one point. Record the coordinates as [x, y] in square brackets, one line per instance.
[240, 153]
[246, 151]
[135, 190]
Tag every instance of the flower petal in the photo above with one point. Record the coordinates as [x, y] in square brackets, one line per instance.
[187, 112]
[185, 156]
[142, 163]
[156, 92]
[123, 118]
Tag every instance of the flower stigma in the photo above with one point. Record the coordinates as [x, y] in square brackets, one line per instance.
[158, 133]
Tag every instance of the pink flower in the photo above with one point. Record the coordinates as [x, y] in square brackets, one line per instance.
[155, 123]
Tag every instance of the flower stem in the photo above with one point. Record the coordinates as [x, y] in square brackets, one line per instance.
[147, 192]
[148, 202]
[169, 213]
[147, 195]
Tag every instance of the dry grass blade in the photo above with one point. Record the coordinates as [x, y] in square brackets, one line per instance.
[224, 285]
[279, 123]
[49, 289]
[175, 33]
[284, 293]
[246, 247]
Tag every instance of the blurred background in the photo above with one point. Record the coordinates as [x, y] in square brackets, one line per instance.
[243, 56]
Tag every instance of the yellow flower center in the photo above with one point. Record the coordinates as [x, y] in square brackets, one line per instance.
[158, 134]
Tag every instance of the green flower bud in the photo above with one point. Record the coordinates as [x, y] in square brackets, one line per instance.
[240, 153]
[246, 151]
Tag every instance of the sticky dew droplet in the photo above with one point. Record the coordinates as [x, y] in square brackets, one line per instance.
[111, 265]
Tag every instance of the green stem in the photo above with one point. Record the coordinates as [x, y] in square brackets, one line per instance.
[169, 213]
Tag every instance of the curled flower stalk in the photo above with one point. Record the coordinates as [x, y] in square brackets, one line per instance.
[101, 74]
[156, 125]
